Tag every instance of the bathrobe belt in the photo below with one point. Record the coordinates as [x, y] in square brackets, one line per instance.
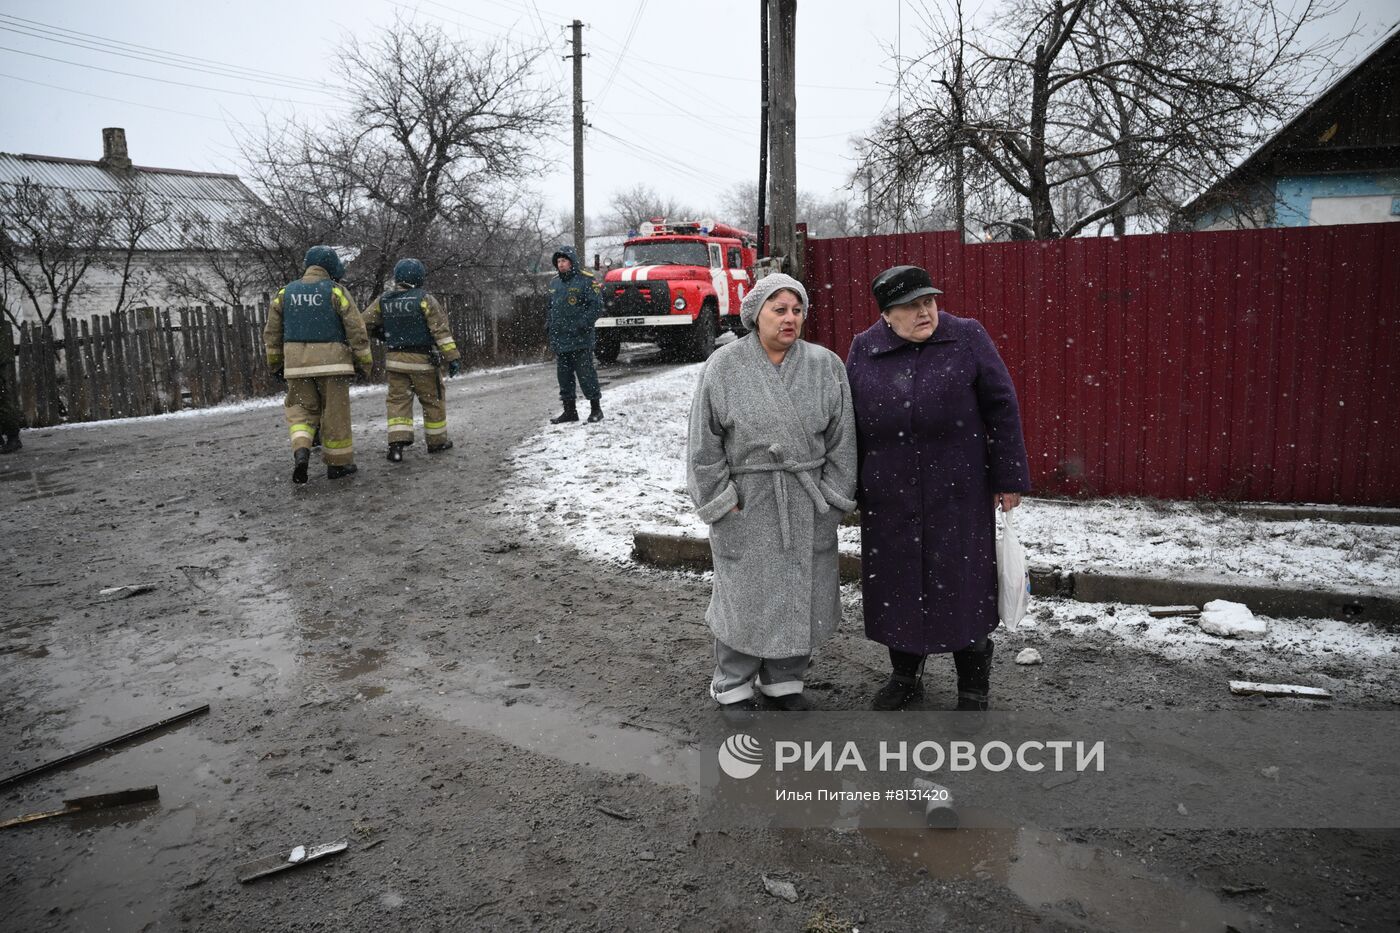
[780, 468]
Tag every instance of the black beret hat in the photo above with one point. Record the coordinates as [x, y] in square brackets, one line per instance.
[901, 284]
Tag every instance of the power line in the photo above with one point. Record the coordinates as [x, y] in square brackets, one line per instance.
[116, 100]
[665, 158]
[193, 61]
[91, 47]
[636, 21]
[198, 87]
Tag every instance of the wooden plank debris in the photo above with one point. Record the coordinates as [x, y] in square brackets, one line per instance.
[130, 589]
[102, 746]
[121, 798]
[261, 868]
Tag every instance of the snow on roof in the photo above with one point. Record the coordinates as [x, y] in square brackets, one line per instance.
[208, 196]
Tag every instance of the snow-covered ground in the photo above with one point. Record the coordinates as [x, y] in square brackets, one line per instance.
[596, 485]
[252, 404]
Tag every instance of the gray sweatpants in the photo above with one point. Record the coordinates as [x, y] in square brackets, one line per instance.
[735, 674]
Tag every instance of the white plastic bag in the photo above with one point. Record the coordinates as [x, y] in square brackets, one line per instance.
[1013, 582]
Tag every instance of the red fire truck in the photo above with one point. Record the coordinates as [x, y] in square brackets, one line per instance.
[679, 286]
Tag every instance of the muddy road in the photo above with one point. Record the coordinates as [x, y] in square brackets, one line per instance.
[500, 727]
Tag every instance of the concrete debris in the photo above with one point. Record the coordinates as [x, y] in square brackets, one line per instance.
[781, 889]
[1028, 656]
[1231, 620]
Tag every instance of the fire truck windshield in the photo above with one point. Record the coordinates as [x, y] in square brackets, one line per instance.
[683, 253]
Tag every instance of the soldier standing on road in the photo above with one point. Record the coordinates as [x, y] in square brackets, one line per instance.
[10, 420]
[316, 342]
[415, 332]
[575, 304]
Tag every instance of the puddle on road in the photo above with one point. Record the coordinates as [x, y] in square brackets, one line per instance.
[363, 661]
[480, 698]
[116, 869]
[44, 485]
[1085, 886]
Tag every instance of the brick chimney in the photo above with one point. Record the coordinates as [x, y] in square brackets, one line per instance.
[114, 149]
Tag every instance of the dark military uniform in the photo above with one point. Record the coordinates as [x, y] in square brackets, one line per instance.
[10, 418]
[575, 304]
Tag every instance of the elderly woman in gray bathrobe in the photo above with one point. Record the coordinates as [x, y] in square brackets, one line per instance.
[772, 470]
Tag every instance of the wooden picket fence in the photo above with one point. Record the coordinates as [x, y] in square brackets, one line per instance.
[153, 361]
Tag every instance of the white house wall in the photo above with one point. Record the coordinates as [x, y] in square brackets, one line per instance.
[100, 286]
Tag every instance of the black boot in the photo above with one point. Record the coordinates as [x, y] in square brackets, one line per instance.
[9, 443]
[440, 448]
[974, 665]
[570, 413]
[340, 472]
[396, 451]
[791, 703]
[740, 713]
[302, 457]
[595, 413]
[898, 693]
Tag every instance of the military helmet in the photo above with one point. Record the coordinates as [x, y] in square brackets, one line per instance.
[409, 272]
[326, 258]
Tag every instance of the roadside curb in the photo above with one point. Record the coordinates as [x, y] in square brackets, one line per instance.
[1357, 604]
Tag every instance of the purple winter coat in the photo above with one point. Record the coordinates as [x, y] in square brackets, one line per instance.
[938, 433]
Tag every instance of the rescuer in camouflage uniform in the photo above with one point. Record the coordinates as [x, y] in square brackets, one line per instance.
[416, 335]
[316, 342]
[575, 304]
[10, 419]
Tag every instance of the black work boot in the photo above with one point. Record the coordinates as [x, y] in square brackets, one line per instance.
[740, 713]
[440, 448]
[340, 472]
[791, 703]
[974, 666]
[396, 451]
[570, 413]
[302, 457]
[901, 690]
[595, 413]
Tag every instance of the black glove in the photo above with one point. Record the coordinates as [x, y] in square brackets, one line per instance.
[279, 376]
[454, 367]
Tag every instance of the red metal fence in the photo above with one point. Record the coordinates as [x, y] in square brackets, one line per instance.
[1246, 365]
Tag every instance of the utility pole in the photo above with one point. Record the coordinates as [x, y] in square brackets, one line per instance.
[763, 130]
[579, 245]
[869, 205]
[782, 59]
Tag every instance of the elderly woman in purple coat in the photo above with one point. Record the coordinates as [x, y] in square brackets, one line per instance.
[939, 443]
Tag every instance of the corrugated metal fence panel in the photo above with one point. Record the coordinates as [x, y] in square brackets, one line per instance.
[1246, 365]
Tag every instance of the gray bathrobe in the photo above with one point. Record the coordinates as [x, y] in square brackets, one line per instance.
[779, 444]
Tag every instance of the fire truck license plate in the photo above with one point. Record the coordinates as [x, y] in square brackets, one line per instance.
[626, 321]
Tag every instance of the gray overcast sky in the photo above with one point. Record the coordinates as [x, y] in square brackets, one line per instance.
[672, 87]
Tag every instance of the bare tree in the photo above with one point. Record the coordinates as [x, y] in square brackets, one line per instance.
[629, 207]
[824, 217]
[49, 241]
[135, 215]
[220, 265]
[444, 141]
[1067, 114]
